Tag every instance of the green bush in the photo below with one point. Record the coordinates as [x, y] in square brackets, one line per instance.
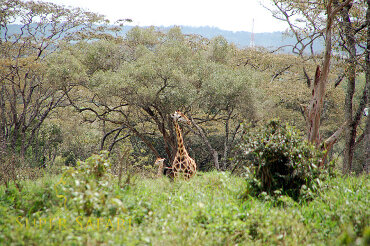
[70, 158]
[87, 188]
[278, 161]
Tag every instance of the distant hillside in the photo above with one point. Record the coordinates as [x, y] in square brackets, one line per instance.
[271, 40]
[242, 39]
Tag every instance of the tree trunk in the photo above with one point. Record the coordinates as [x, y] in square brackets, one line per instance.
[366, 164]
[3, 147]
[314, 110]
[3, 123]
[313, 114]
[226, 143]
[351, 131]
[321, 79]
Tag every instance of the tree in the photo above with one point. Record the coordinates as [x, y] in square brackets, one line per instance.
[309, 28]
[153, 75]
[224, 97]
[29, 92]
[351, 26]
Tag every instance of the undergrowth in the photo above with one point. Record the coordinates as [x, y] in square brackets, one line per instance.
[278, 161]
[207, 210]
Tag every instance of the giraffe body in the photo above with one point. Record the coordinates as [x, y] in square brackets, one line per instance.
[183, 165]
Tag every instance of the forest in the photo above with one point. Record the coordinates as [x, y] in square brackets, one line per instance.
[156, 137]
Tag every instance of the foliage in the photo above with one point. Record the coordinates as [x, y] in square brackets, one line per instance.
[307, 20]
[31, 87]
[133, 85]
[124, 89]
[77, 140]
[342, 202]
[206, 211]
[279, 161]
[342, 24]
[129, 85]
[87, 189]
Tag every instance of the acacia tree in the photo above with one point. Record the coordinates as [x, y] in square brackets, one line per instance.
[154, 74]
[138, 94]
[30, 32]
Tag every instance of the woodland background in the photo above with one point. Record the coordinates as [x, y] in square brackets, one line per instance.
[73, 85]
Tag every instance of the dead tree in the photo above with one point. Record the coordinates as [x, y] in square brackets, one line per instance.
[313, 114]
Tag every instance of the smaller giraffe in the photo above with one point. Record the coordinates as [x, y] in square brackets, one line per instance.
[183, 164]
[160, 162]
[162, 169]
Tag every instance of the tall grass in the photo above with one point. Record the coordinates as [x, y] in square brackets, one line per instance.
[207, 210]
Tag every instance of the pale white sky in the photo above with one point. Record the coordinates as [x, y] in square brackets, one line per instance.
[233, 15]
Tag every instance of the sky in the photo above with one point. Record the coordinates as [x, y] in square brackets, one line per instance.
[232, 15]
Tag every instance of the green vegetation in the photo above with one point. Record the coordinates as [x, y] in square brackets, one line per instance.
[85, 111]
[122, 89]
[206, 211]
[279, 161]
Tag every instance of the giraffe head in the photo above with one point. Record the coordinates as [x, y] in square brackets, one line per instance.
[159, 161]
[178, 116]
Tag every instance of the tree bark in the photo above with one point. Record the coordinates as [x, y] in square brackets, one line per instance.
[321, 79]
[328, 143]
[351, 130]
[314, 110]
[366, 164]
[226, 141]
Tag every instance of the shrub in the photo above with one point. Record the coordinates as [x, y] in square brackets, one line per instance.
[70, 158]
[88, 187]
[278, 161]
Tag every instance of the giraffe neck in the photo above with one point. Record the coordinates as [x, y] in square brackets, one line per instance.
[180, 141]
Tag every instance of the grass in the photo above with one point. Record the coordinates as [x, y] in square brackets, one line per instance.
[207, 210]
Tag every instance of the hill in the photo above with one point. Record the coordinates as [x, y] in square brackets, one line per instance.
[268, 40]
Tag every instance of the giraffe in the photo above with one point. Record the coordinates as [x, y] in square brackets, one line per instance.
[183, 164]
[162, 169]
[160, 163]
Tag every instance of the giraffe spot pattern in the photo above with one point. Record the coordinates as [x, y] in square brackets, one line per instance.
[183, 165]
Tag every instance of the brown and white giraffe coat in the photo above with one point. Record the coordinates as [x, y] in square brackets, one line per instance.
[183, 165]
